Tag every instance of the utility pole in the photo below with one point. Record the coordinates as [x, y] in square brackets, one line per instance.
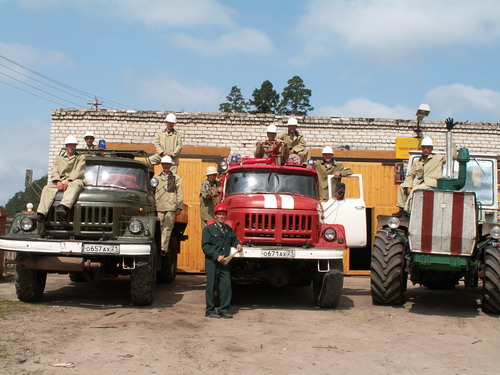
[95, 104]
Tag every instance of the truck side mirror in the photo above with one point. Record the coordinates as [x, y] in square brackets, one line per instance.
[339, 191]
[399, 173]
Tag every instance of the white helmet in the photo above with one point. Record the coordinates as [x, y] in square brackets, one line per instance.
[166, 160]
[70, 140]
[171, 118]
[292, 121]
[272, 129]
[211, 170]
[88, 133]
[327, 150]
[427, 141]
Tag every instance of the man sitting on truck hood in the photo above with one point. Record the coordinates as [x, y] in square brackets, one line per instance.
[67, 176]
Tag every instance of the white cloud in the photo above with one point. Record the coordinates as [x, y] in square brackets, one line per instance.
[364, 108]
[241, 40]
[30, 136]
[457, 99]
[27, 54]
[388, 29]
[153, 13]
[170, 92]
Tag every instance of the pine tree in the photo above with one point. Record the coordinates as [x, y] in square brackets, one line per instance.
[295, 98]
[235, 102]
[30, 195]
[265, 99]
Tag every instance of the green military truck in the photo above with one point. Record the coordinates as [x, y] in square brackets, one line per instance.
[112, 230]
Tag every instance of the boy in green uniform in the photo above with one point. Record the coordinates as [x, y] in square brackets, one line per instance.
[216, 241]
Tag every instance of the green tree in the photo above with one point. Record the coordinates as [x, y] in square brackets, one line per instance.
[235, 102]
[295, 98]
[30, 195]
[265, 99]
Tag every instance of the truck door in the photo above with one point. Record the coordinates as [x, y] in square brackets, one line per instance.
[349, 211]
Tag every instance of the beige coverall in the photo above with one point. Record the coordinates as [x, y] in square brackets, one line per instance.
[209, 198]
[169, 198]
[65, 169]
[324, 171]
[167, 142]
[296, 143]
[262, 149]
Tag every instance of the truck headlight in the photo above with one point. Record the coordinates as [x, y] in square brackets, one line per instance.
[135, 226]
[495, 232]
[393, 223]
[330, 234]
[26, 223]
[223, 166]
[154, 182]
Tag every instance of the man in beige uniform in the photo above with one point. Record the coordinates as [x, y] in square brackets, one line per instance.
[295, 141]
[89, 141]
[327, 167]
[67, 176]
[423, 174]
[209, 196]
[168, 142]
[264, 147]
[169, 198]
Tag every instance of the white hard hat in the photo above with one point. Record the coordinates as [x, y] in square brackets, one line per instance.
[272, 129]
[427, 141]
[70, 140]
[171, 118]
[211, 170]
[166, 160]
[292, 121]
[327, 150]
[88, 133]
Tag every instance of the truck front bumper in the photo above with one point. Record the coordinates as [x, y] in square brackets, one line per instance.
[67, 247]
[274, 252]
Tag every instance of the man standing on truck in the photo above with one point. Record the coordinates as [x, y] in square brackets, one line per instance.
[209, 195]
[168, 142]
[216, 241]
[89, 140]
[265, 148]
[295, 141]
[169, 199]
[424, 173]
[67, 176]
[328, 166]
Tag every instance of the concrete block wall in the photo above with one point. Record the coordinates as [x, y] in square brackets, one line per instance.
[240, 131]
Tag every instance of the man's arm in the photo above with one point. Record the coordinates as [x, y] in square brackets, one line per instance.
[157, 143]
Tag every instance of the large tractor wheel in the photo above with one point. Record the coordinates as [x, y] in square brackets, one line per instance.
[388, 278]
[168, 262]
[327, 286]
[142, 282]
[30, 284]
[491, 281]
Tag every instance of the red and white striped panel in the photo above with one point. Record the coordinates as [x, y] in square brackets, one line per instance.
[443, 222]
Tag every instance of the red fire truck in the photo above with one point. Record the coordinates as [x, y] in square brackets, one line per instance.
[276, 214]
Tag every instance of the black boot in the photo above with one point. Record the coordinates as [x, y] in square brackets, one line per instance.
[39, 217]
[62, 213]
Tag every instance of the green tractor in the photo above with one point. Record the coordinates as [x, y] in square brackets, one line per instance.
[451, 233]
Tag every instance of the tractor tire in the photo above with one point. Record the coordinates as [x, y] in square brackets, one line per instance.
[168, 263]
[388, 278]
[30, 284]
[491, 281]
[327, 286]
[440, 280]
[142, 282]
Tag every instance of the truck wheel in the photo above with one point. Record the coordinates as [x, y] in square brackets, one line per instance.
[168, 262]
[388, 278]
[30, 284]
[491, 281]
[327, 286]
[142, 282]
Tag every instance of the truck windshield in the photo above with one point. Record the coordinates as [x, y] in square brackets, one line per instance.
[113, 176]
[480, 180]
[265, 182]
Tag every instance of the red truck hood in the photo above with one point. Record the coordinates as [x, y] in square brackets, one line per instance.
[272, 201]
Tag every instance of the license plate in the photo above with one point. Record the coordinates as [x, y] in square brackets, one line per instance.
[101, 249]
[278, 254]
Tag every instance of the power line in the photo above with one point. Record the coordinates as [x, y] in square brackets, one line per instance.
[28, 92]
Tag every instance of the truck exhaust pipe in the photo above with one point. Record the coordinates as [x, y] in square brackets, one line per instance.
[62, 264]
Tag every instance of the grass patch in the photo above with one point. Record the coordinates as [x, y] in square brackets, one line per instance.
[8, 307]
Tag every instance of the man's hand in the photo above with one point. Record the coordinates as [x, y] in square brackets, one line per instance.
[239, 248]
[178, 211]
[220, 259]
[336, 175]
[408, 190]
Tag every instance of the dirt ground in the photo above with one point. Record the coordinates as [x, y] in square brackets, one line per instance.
[82, 328]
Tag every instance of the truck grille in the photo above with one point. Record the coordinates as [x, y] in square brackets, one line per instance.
[276, 227]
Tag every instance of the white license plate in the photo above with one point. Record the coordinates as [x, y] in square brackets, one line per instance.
[278, 254]
[101, 249]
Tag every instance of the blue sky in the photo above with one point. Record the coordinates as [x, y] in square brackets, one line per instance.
[360, 58]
